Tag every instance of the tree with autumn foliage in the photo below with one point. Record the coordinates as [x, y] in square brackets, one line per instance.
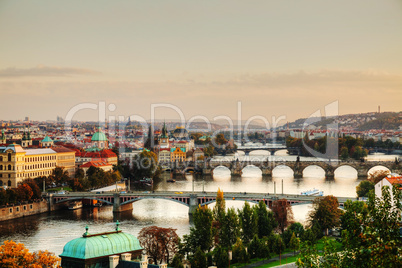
[160, 243]
[325, 214]
[378, 175]
[283, 213]
[24, 192]
[219, 216]
[17, 255]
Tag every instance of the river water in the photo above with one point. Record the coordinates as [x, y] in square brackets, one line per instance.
[51, 231]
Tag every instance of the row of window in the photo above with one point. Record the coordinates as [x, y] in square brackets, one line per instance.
[44, 165]
[41, 158]
[8, 158]
[18, 208]
[5, 183]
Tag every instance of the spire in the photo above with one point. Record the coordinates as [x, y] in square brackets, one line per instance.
[117, 226]
[164, 130]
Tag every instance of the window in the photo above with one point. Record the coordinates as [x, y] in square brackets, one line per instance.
[9, 156]
[18, 209]
[30, 206]
[1, 167]
[1, 183]
[9, 167]
[9, 182]
[1, 158]
[11, 210]
[25, 207]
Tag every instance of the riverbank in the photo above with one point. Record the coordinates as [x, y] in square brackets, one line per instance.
[23, 209]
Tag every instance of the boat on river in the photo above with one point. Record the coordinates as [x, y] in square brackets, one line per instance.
[75, 205]
[313, 192]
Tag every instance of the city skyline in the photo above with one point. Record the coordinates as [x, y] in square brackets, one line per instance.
[276, 58]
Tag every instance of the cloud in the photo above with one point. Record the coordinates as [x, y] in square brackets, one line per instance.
[42, 70]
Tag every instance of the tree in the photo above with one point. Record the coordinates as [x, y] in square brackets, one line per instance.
[325, 213]
[199, 260]
[177, 261]
[230, 229]
[364, 187]
[221, 257]
[201, 234]
[59, 175]
[239, 252]
[219, 216]
[220, 139]
[294, 243]
[266, 220]
[378, 175]
[145, 165]
[248, 222]
[16, 255]
[344, 153]
[283, 213]
[24, 192]
[160, 243]
[35, 188]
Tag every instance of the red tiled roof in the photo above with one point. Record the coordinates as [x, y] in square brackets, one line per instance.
[96, 163]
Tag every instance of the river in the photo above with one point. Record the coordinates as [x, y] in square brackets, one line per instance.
[51, 231]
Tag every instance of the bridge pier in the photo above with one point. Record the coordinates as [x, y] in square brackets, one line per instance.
[117, 207]
[193, 204]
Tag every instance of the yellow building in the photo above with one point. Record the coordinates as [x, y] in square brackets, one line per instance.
[18, 164]
[65, 159]
[178, 154]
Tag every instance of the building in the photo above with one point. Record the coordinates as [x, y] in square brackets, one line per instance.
[18, 164]
[3, 139]
[46, 142]
[101, 250]
[26, 140]
[105, 166]
[106, 155]
[65, 159]
[178, 154]
[389, 181]
[99, 140]
[180, 133]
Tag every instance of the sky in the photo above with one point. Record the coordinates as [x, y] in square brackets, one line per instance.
[204, 59]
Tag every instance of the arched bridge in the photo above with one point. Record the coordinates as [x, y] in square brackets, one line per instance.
[124, 201]
[297, 167]
[272, 148]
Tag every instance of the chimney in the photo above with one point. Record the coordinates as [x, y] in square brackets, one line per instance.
[126, 257]
[113, 261]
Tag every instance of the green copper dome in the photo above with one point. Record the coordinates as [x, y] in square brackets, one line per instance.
[99, 136]
[47, 139]
[100, 245]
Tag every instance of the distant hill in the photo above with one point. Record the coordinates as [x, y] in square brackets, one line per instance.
[361, 122]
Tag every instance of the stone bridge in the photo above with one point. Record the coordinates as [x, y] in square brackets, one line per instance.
[297, 167]
[124, 201]
[270, 148]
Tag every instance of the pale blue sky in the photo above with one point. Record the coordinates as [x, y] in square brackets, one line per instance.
[276, 57]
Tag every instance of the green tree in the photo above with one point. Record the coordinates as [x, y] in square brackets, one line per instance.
[177, 261]
[239, 252]
[221, 257]
[344, 153]
[364, 187]
[248, 222]
[325, 213]
[230, 229]
[219, 216]
[266, 222]
[201, 234]
[294, 243]
[145, 165]
[199, 260]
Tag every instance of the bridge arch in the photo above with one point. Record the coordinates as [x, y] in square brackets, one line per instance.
[260, 152]
[375, 168]
[314, 171]
[282, 170]
[281, 152]
[251, 171]
[181, 200]
[344, 171]
[221, 171]
[82, 198]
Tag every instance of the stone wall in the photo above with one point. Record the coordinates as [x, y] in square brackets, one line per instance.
[22, 210]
